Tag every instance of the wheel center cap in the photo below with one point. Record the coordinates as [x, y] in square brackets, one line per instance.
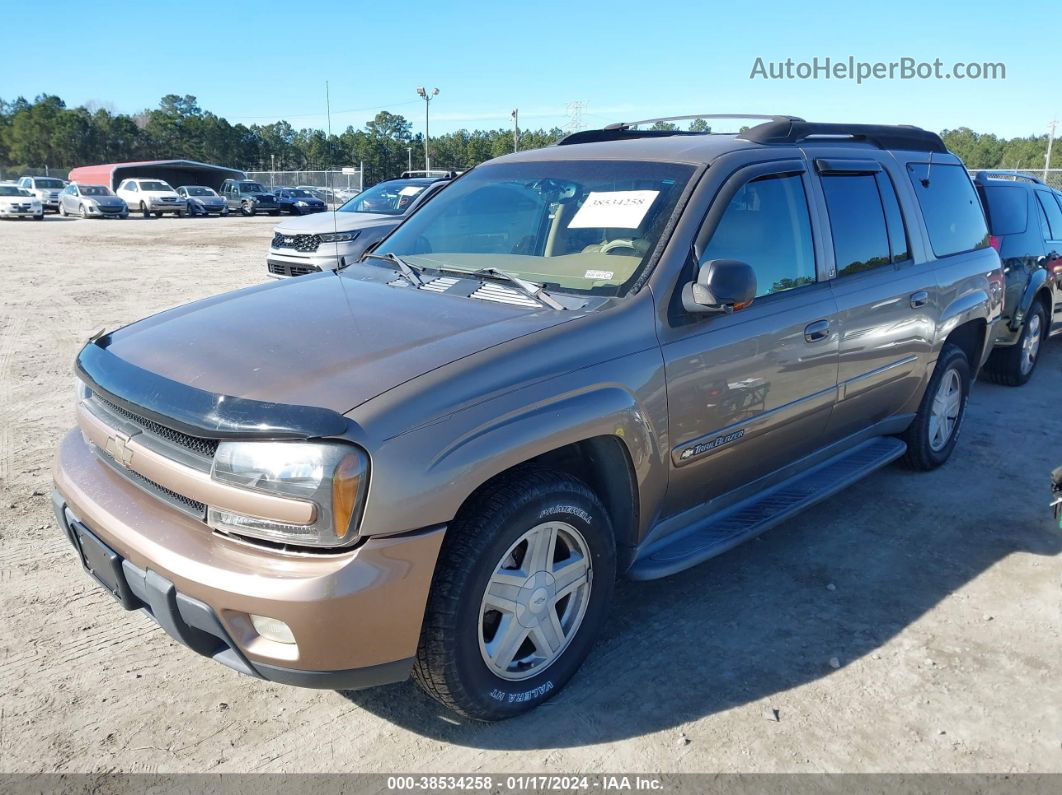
[535, 597]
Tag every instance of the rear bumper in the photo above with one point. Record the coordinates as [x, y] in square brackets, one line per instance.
[355, 615]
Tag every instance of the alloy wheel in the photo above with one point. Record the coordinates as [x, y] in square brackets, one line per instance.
[535, 601]
[944, 416]
[1030, 346]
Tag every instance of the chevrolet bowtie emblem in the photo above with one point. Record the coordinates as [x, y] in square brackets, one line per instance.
[118, 447]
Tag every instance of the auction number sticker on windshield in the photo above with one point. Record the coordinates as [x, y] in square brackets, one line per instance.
[624, 209]
[411, 190]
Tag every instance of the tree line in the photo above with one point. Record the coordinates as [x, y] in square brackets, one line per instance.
[46, 134]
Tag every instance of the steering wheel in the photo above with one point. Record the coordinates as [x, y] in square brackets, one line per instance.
[613, 244]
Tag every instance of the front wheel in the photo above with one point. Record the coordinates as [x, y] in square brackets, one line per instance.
[521, 590]
[935, 430]
[247, 209]
[83, 212]
[144, 210]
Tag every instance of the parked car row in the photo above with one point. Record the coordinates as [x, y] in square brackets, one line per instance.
[619, 358]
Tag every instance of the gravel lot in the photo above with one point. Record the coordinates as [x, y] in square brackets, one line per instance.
[937, 596]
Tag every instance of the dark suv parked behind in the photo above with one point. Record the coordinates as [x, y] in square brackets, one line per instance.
[1025, 219]
[618, 356]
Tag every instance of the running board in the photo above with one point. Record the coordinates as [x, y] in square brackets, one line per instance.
[758, 513]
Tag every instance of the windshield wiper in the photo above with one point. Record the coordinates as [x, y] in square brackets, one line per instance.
[411, 272]
[530, 289]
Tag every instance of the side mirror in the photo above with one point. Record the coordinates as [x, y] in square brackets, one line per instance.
[722, 285]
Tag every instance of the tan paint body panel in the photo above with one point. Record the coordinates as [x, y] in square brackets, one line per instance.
[191, 483]
[349, 610]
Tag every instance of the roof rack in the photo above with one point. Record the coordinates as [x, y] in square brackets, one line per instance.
[884, 136]
[986, 174]
[623, 130]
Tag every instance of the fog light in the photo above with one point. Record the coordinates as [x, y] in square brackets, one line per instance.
[272, 629]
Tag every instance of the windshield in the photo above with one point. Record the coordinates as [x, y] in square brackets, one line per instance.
[48, 183]
[94, 190]
[299, 194]
[197, 191]
[252, 187]
[11, 190]
[588, 226]
[154, 185]
[393, 197]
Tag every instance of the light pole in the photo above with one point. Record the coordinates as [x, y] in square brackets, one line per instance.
[516, 129]
[1050, 140]
[427, 97]
[409, 156]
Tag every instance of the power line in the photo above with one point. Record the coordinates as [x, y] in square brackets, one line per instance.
[285, 116]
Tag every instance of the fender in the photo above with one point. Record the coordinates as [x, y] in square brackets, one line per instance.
[468, 451]
[1036, 281]
[974, 305]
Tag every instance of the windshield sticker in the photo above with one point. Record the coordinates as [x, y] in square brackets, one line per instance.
[599, 275]
[623, 209]
[410, 190]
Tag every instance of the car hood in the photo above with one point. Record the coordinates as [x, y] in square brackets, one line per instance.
[159, 194]
[323, 340]
[331, 222]
[107, 201]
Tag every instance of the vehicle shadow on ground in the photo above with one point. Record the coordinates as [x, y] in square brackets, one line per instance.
[761, 620]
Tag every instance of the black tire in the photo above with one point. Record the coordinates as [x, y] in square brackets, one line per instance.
[247, 209]
[1007, 365]
[449, 664]
[921, 454]
[144, 210]
[83, 212]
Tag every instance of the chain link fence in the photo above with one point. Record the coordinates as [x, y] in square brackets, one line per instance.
[1052, 176]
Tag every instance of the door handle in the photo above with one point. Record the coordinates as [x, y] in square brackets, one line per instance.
[817, 331]
[921, 298]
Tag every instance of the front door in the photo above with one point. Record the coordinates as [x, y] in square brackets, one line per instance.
[752, 391]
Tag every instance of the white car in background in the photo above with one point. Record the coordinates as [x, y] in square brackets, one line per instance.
[151, 196]
[46, 189]
[16, 202]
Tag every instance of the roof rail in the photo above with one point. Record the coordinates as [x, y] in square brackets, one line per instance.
[986, 174]
[624, 130]
[626, 125]
[884, 136]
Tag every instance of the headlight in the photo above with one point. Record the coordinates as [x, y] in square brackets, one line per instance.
[331, 475]
[337, 237]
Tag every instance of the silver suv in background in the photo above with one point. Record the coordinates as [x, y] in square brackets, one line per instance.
[332, 240]
[46, 189]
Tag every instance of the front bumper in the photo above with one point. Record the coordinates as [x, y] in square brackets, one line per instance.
[11, 212]
[201, 209]
[355, 615]
[281, 265]
[106, 212]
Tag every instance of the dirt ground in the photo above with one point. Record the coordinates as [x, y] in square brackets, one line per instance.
[938, 597]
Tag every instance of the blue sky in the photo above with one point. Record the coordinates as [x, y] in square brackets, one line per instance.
[261, 61]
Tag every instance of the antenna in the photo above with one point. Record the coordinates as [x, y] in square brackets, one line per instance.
[331, 178]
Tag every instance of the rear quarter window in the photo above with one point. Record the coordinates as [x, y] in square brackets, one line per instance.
[1007, 209]
[1053, 213]
[950, 207]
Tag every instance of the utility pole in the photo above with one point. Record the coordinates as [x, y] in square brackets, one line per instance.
[516, 129]
[427, 96]
[1050, 140]
[409, 156]
[272, 169]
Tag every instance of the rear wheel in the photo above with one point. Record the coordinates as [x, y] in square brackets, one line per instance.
[521, 589]
[1014, 365]
[935, 430]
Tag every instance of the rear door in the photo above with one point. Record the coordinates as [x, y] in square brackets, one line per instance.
[751, 391]
[887, 305]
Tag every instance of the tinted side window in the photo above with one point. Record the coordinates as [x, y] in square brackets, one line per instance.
[767, 225]
[1007, 209]
[1054, 214]
[950, 207]
[857, 220]
[901, 249]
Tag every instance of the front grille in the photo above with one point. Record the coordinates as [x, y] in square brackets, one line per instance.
[291, 270]
[196, 444]
[179, 501]
[307, 244]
